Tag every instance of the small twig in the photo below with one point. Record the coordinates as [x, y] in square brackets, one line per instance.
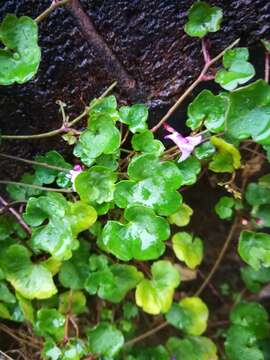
[54, 5]
[266, 67]
[43, 188]
[6, 356]
[146, 334]
[199, 79]
[5, 208]
[125, 137]
[16, 215]
[32, 162]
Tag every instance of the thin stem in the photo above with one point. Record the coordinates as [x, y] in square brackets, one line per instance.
[199, 79]
[55, 4]
[146, 334]
[43, 188]
[16, 215]
[266, 67]
[206, 55]
[32, 162]
[125, 138]
[220, 257]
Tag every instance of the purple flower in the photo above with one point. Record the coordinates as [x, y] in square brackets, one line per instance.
[185, 144]
[77, 169]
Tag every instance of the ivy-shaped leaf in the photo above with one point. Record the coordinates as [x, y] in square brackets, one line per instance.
[20, 55]
[190, 315]
[50, 323]
[192, 348]
[254, 249]
[249, 114]
[65, 221]
[101, 137]
[209, 110]
[182, 216]
[150, 353]
[112, 282]
[104, 106]
[105, 340]
[254, 279]
[29, 280]
[188, 249]
[257, 194]
[72, 301]
[145, 143]
[189, 170]
[224, 208]
[75, 349]
[135, 117]
[202, 19]
[226, 159]
[152, 183]
[141, 238]
[156, 295]
[205, 150]
[23, 193]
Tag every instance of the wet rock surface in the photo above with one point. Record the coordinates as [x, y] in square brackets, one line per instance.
[146, 37]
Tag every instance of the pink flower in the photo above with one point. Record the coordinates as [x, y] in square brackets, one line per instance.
[77, 169]
[185, 144]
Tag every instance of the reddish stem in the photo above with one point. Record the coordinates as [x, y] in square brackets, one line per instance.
[206, 54]
[266, 67]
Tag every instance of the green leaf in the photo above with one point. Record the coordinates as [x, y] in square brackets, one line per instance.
[254, 249]
[96, 185]
[202, 19]
[253, 316]
[204, 151]
[189, 170]
[30, 280]
[152, 183]
[150, 353]
[141, 238]
[257, 194]
[188, 248]
[6, 295]
[75, 271]
[101, 137]
[105, 340]
[156, 295]
[113, 282]
[242, 344]
[146, 143]
[224, 208]
[75, 349]
[182, 216]
[105, 106]
[254, 279]
[135, 117]
[237, 70]
[249, 113]
[109, 161]
[26, 308]
[50, 323]
[64, 221]
[190, 316]
[227, 158]
[20, 54]
[192, 348]
[72, 301]
[22, 193]
[130, 311]
[47, 176]
[4, 312]
[208, 110]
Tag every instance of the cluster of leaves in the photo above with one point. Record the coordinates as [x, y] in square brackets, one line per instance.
[79, 271]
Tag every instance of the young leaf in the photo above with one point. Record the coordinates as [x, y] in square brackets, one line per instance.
[135, 117]
[29, 280]
[75, 349]
[152, 183]
[254, 279]
[254, 249]
[104, 106]
[188, 249]
[20, 54]
[182, 216]
[141, 238]
[237, 69]
[208, 110]
[105, 340]
[72, 301]
[190, 316]
[192, 348]
[156, 295]
[203, 18]
[225, 207]
[227, 158]
[145, 143]
[189, 170]
[101, 137]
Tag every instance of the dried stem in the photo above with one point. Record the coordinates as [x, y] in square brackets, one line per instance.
[54, 5]
[16, 215]
[189, 90]
[43, 188]
[146, 334]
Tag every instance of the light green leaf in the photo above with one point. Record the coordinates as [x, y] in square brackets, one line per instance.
[237, 69]
[145, 142]
[101, 137]
[26, 308]
[104, 106]
[30, 280]
[105, 340]
[20, 54]
[4, 312]
[208, 110]
[72, 301]
[204, 151]
[5, 294]
[188, 249]
[75, 349]
[192, 348]
[189, 170]
[254, 249]
[135, 117]
[50, 323]
[227, 158]
[182, 216]
[202, 19]
[190, 315]
[141, 238]
[224, 208]
[156, 295]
